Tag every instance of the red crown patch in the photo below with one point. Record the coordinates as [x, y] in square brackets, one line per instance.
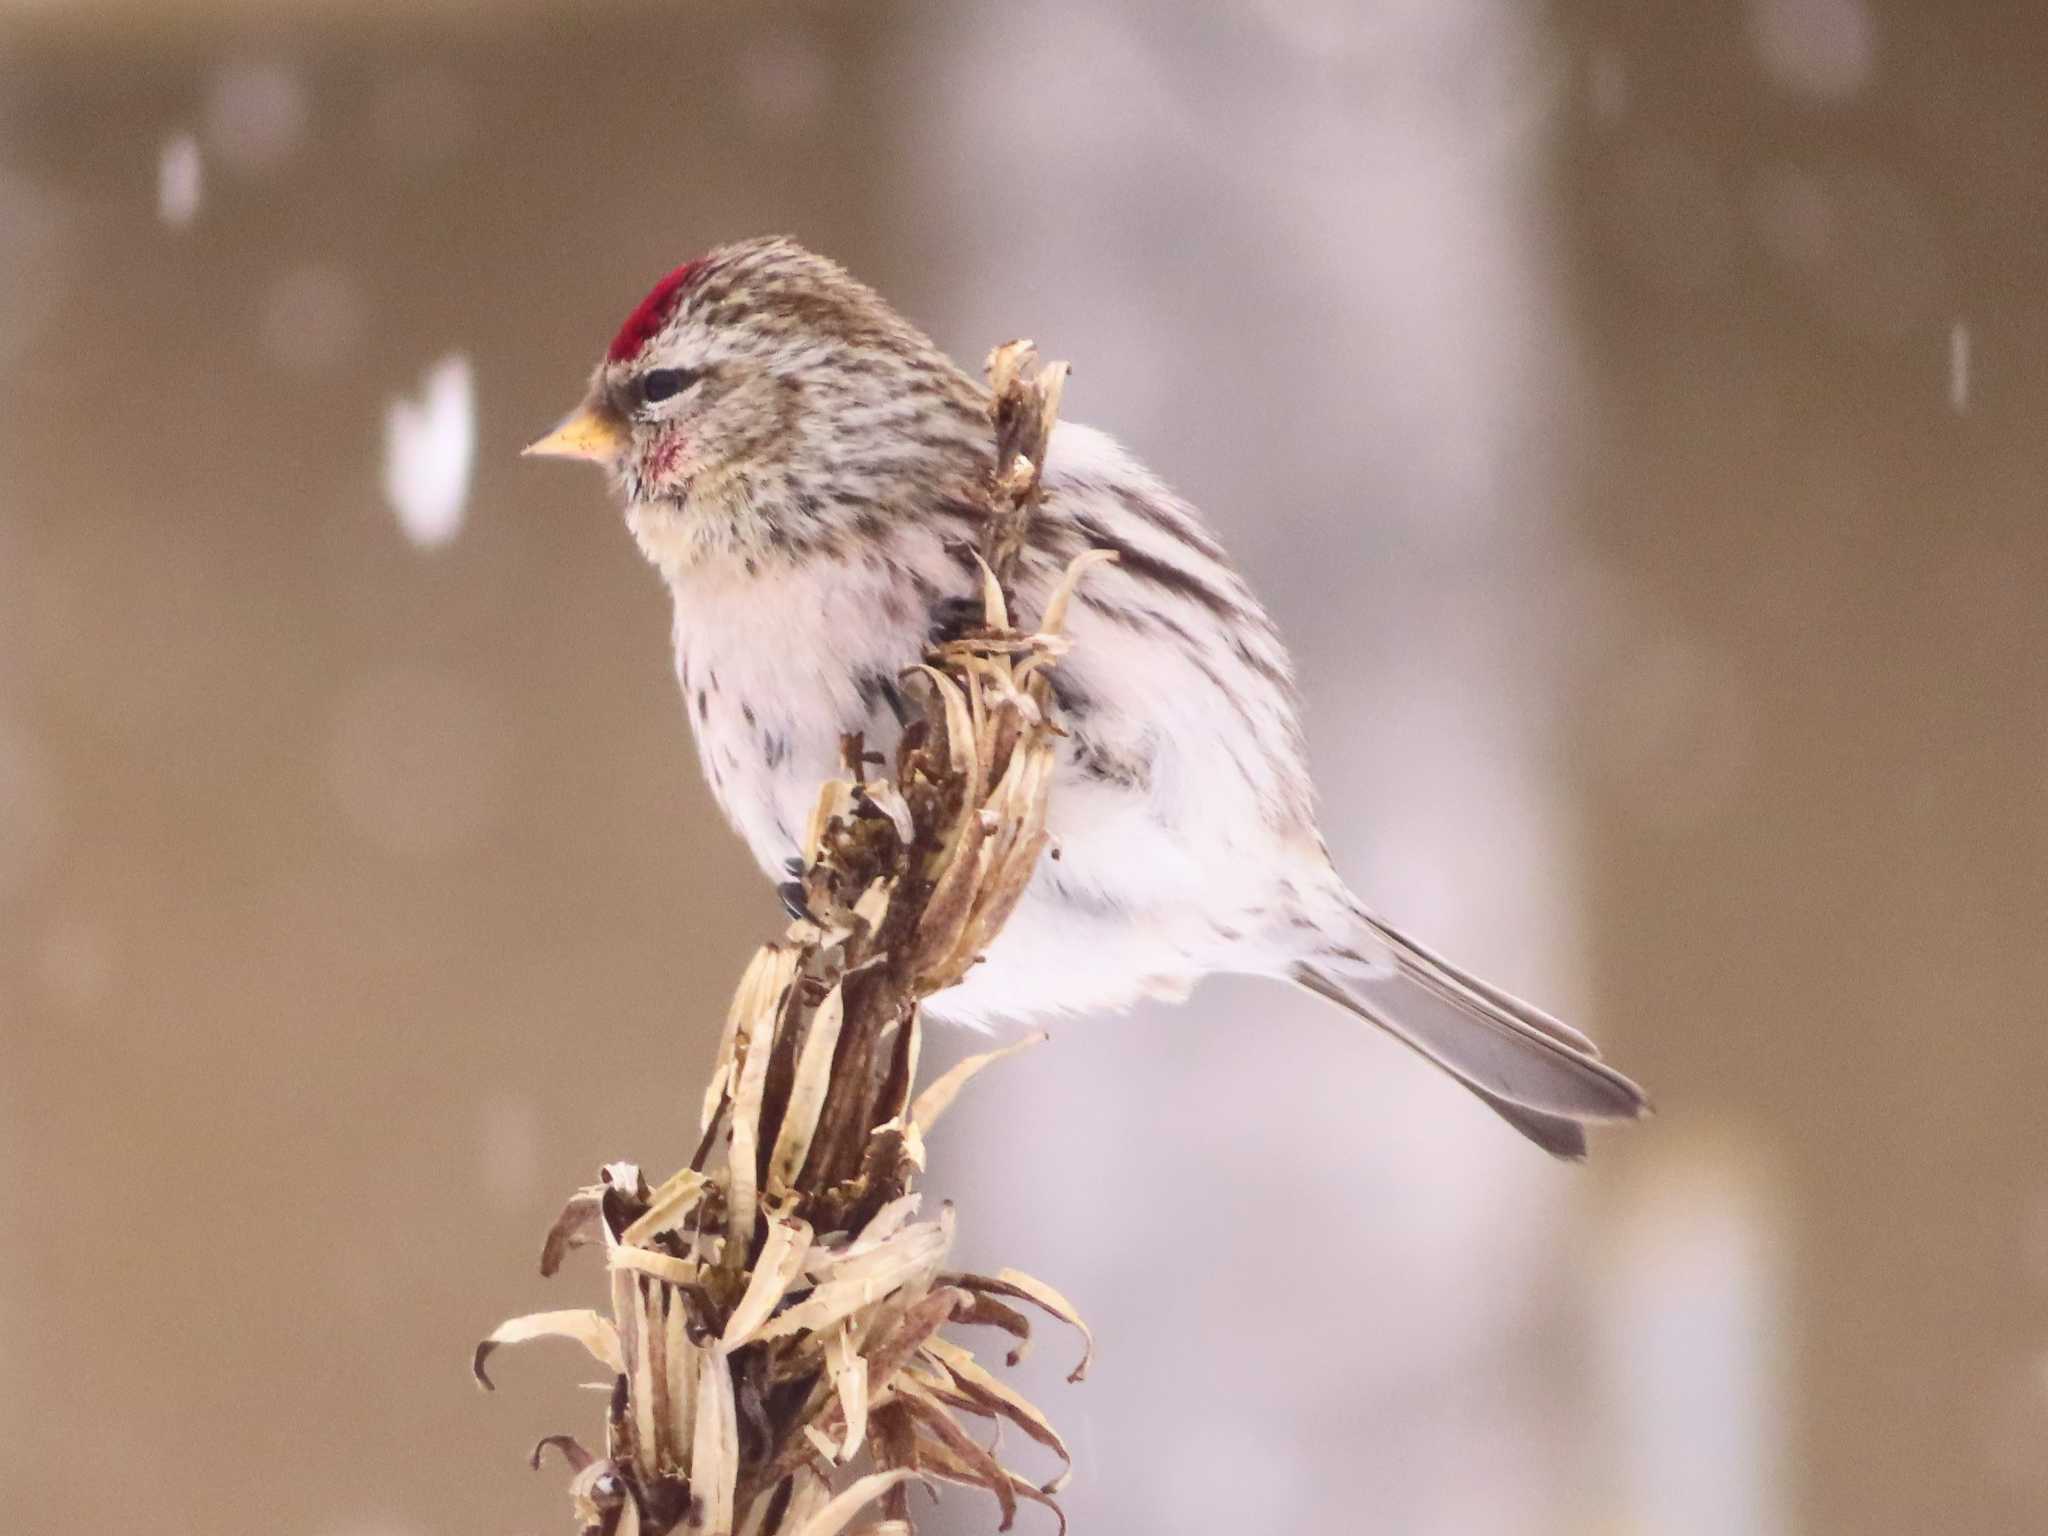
[652, 312]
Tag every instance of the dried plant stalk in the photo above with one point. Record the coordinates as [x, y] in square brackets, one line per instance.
[779, 1309]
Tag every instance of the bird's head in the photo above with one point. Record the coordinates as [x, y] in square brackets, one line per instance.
[758, 401]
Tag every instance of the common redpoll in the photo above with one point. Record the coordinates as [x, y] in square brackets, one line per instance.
[804, 468]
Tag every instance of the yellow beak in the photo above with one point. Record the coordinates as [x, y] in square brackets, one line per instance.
[585, 433]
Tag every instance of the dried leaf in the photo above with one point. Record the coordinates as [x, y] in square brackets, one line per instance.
[938, 1098]
[959, 721]
[755, 1051]
[679, 1359]
[1004, 1401]
[1052, 383]
[900, 1346]
[972, 1462]
[995, 609]
[807, 1091]
[571, 1448]
[874, 903]
[579, 1226]
[1055, 618]
[827, 1304]
[809, 1493]
[914, 1251]
[627, 1318]
[715, 1450]
[986, 1311]
[888, 799]
[1047, 1299]
[883, 1225]
[1005, 364]
[835, 802]
[664, 1267]
[591, 1329]
[943, 932]
[746, 1002]
[641, 1392]
[678, 1196]
[847, 1370]
[839, 1512]
[1012, 1282]
[939, 1461]
[781, 1261]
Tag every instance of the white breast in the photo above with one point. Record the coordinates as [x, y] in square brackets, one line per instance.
[773, 669]
[1165, 873]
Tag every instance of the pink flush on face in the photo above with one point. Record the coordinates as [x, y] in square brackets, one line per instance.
[652, 313]
[661, 459]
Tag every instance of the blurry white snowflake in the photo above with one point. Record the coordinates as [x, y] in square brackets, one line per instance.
[429, 451]
[509, 1149]
[180, 180]
[1959, 367]
[785, 79]
[1824, 49]
[255, 114]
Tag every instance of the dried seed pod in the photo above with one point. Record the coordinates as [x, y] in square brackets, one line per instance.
[780, 1306]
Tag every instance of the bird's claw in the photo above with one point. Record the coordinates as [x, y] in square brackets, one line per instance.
[795, 901]
[953, 618]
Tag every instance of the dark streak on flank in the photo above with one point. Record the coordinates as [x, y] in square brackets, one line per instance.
[1230, 696]
[1097, 762]
[1174, 524]
[1068, 696]
[1154, 571]
[1089, 898]
[1266, 668]
[878, 689]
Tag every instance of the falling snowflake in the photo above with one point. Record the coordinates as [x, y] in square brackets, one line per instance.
[256, 113]
[1959, 367]
[429, 449]
[180, 180]
[1822, 49]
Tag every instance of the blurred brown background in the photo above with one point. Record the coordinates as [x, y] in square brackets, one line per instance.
[1632, 414]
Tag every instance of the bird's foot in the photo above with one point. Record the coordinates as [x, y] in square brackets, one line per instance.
[955, 618]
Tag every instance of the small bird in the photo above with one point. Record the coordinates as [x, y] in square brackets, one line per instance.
[806, 470]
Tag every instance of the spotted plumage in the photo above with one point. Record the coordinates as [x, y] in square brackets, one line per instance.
[803, 466]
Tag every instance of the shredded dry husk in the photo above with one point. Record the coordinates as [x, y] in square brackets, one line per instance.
[778, 1310]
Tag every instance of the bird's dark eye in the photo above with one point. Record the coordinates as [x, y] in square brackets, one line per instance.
[661, 383]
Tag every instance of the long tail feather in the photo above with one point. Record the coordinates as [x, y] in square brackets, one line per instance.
[1560, 1137]
[1543, 1077]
